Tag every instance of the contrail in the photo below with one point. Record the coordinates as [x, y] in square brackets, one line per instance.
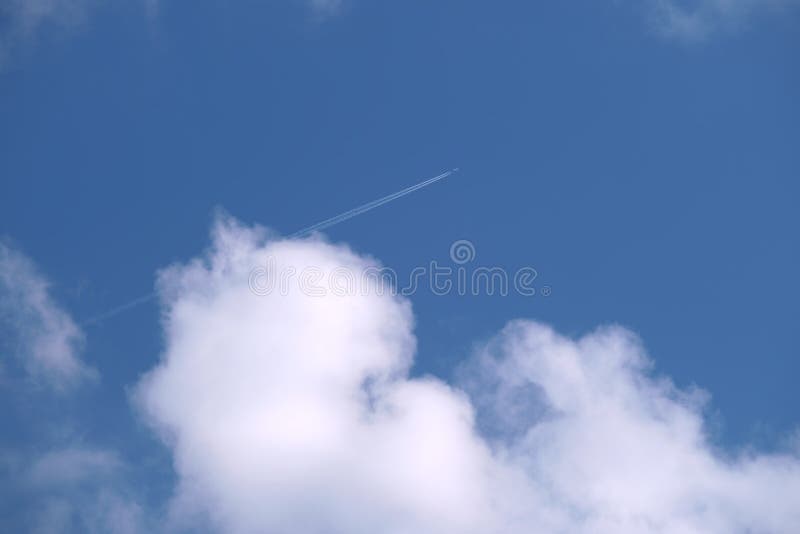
[327, 223]
[119, 309]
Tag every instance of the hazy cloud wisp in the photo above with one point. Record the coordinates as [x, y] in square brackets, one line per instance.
[695, 20]
[41, 334]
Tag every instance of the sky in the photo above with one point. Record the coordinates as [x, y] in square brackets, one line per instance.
[641, 158]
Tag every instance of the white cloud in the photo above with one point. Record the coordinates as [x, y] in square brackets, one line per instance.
[100, 511]
[28, 14]
[325, 6]
[41, 334]
[688, 20]
[619, 449]
[22, 20]
[69, 487]
[294, 413]
[693, 20]
[78, 489]
[72, 465]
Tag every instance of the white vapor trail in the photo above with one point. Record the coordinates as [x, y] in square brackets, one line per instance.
[327, 223]
[119, 309]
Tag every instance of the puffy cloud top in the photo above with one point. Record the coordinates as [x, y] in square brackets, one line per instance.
[294, 413]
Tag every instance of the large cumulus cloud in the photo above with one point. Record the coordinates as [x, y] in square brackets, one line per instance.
[295, 413]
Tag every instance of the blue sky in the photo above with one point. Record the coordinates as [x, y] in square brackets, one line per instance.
[645, 166]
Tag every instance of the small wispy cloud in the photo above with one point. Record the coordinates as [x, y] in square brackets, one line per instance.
[696, 20]
[22, 21]
[325, 7]
[75, 488]
[72, 465]
[34, 329]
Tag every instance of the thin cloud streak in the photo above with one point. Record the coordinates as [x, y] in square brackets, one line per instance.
[327, 223]
[355, 212]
